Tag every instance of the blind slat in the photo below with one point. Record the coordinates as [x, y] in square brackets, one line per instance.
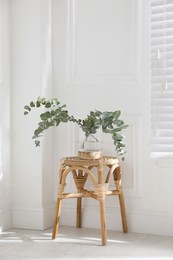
[162, 75]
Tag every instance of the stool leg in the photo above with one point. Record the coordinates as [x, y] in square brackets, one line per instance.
[57, 218]
[78, 213]
[100, 190]
[79, 180]
[122, 206]
[123, 212]
[118, 184]
[58, 210]
[103, 222]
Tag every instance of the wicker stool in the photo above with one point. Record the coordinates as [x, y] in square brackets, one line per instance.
[81, 169]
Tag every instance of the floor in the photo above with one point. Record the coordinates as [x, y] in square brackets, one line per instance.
[73, 243]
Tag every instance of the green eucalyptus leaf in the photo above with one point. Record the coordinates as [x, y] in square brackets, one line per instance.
[41, 100]
[38, 103]
[64, 119]
[37, 143]
[32, 104]
[56, 122]
[45, 116]
[124, 126]
[117, 113]
[48, 104]
[37, 132]
[53, 113]
[63, 106]
[27, 108]
[55, 102]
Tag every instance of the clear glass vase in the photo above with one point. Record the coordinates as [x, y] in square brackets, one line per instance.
[91, 146]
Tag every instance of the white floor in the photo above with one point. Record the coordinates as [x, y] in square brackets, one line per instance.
[73, 243]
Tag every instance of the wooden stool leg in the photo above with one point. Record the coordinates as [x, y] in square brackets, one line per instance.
[58, 210]
[118, 184]
[122, 206]
[79, 180]
[101, 190]
[57, 217]
[103, 222]
[123, 212]
[78, 213]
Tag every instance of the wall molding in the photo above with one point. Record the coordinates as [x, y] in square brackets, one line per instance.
[133, 78]
[134, 143]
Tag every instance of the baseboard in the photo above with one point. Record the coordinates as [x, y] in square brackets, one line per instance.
[5, 219]
[151, 222]
[32, 218]
[139, 221]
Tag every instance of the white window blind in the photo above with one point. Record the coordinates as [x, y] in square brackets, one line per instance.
[162, 75]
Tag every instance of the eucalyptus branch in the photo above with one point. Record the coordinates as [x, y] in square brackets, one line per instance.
[54, 114]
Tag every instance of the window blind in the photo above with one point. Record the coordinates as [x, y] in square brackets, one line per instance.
[162, 76]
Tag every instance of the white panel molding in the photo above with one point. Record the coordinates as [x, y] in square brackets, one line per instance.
[134, 147]
[140, 221]
[30, 217]
[162, 162]
[73, 78]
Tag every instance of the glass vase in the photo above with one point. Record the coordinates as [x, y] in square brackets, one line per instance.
[90, 147]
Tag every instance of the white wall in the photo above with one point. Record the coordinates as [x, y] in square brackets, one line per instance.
[5, 130]
[101, 63]
[32, 202]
